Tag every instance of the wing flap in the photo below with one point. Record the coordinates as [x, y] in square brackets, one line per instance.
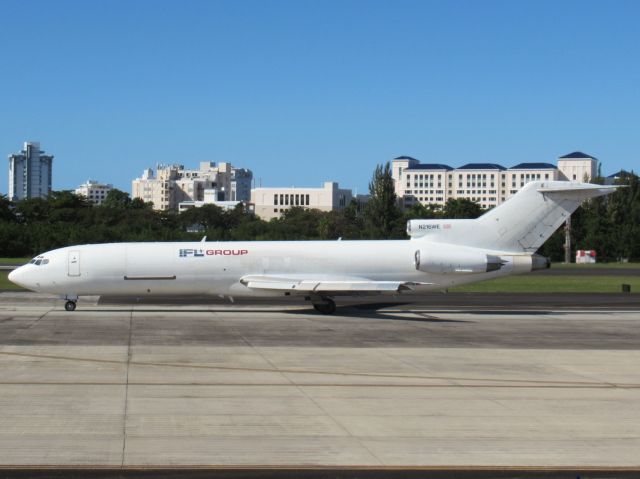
[275, 283]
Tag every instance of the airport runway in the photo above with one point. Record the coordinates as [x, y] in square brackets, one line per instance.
[404, 388]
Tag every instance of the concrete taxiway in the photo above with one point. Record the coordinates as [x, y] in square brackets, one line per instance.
[115, 384]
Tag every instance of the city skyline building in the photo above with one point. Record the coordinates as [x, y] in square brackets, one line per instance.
[94, 191]
[30, 172]
[487, 184]
[272, 202]
[172, 185]
[578, 166]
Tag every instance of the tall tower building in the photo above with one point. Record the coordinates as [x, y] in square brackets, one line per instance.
[29, 173]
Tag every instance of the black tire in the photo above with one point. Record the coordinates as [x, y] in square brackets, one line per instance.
[70, 305]
[328, 307]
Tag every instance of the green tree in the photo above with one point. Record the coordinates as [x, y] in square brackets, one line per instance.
[117, 199]
[66, 199]
[382, 216]
[461, 208]
[296, 223]
[33, 210]
[6, 209]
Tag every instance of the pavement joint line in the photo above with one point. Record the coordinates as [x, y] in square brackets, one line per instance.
[37, 320]
[567, 369]
[336, 385]
[332, 373]
[126, 390]
[266, 359]
[311, 399]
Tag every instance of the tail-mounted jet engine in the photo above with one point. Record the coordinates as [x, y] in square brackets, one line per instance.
[446, 259]
[438, 260]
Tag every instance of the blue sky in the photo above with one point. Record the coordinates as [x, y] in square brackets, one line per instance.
[307, 91]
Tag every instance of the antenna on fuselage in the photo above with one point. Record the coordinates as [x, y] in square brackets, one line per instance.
[204, 238]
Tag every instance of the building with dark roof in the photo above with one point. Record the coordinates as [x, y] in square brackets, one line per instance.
[481, 166]
[611, 179]
[576, 155]
[429, 166]
[578, 166]
[488, 184]
[533, 166]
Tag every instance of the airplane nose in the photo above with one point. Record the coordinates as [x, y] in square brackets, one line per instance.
[15, 276]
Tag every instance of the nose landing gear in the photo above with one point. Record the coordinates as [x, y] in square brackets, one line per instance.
[70, 305]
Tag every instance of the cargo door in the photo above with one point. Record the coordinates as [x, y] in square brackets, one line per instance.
[146, 262]
[73, 263]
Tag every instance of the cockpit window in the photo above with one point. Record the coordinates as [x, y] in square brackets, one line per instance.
[38, 260]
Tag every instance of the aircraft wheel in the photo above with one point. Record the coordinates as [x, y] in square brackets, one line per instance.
[70, 305]
[327, 307]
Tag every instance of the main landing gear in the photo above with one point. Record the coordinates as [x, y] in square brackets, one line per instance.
[70, 305]
[324, 305]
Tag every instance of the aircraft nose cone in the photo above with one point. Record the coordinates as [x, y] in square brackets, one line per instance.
[16, 275]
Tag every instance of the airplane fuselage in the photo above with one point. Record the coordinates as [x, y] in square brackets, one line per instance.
[216, 268]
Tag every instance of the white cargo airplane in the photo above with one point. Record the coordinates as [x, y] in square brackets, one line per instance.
[439, 255]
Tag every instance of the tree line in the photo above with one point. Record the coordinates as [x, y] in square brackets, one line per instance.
[610, 225]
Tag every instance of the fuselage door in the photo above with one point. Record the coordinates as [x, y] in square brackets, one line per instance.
[74, 263]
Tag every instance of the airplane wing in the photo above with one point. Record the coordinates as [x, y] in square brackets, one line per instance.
[327, 285]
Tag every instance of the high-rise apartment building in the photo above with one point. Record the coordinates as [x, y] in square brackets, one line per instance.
[30, 173]
[173, 184]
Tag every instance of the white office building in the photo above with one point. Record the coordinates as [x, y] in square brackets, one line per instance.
[30, 173]
[94, 191]
[488, 184]
[268, 203]
[171, 185]
[521, 174]
[578, 166]
[479, 182]
[428, 183]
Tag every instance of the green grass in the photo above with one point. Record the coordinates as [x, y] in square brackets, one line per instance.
[552, 284]
[6, 285]
[595, 266]
[18, 261]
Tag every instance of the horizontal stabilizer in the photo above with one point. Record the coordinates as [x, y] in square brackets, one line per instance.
[326, 286]
[584, 190]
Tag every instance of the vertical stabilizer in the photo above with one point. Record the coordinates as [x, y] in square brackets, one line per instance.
[525, 221]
